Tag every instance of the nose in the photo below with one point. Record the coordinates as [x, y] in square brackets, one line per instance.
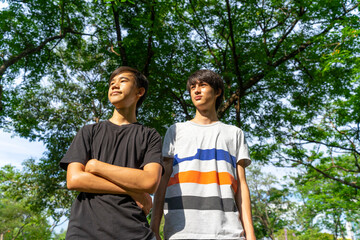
[197, 89]
[115, 85]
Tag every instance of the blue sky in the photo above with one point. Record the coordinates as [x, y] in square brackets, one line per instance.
[14, 150]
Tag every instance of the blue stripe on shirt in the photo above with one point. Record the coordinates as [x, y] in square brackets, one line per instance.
[208, 154]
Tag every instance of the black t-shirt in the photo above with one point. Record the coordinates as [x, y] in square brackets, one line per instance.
[111, 216]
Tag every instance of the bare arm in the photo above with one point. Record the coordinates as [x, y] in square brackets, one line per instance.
[159, 197]
[78, 179]
[136, 180]
[242, 198]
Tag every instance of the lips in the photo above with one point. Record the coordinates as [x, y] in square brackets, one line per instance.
[115, 93]
[197, 97]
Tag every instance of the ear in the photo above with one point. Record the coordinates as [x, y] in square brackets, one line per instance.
[141, 92]
[218, 93]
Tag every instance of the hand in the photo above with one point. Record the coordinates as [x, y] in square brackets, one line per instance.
[91, 165]
[144, 201]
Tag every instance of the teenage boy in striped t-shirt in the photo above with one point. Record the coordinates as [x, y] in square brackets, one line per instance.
[204, 191]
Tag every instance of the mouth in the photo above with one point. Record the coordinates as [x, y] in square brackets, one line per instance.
[115, 93]
[197, 97]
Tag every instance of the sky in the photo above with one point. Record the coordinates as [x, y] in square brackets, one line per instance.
[14, 150]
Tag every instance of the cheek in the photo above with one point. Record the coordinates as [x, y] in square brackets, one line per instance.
[207, 92]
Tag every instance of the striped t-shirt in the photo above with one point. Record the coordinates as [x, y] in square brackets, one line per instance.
[199, 200]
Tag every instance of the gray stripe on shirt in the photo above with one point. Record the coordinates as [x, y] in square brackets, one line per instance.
[200, 203]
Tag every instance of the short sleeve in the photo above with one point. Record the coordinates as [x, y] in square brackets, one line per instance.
[169, 141]
[242, 149]
[153, 150]
[80, 148]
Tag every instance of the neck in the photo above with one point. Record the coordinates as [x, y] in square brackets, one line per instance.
[123, 116]
[205, 117]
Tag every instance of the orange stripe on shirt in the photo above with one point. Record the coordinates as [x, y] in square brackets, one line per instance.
[221, 178]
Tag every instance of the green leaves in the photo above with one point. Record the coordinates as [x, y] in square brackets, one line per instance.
[116, 2]
[272, 208]
[19, 219]
[291, 71]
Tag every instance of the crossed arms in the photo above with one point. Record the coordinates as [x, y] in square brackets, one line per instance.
[100, 177]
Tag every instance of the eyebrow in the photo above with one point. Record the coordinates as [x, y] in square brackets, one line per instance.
[123, 77]
[197, 82]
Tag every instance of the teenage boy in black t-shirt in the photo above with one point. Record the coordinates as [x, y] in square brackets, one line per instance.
[114, 165]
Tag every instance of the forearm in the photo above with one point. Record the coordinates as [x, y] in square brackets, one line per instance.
[243, 202]
[79, 180]
[159, 198]
[245, 215]
[158, 206]
[137, 180]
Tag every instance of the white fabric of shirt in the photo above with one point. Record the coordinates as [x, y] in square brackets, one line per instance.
[199, 200]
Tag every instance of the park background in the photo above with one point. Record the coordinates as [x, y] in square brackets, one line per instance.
[291, 73]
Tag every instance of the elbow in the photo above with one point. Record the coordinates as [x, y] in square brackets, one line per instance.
[151, 185]
[72, 183]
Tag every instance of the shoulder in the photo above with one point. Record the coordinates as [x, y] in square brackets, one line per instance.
[179, 125]
[231, 131]
[88, 128]
[146, 130]
[230, 128]
[182, 124]
[95, 129]
[94, 126]
[176, 127]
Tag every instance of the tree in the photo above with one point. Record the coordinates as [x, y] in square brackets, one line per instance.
[18, 219]
[330, 203]
[330, 145]
[315, 234]
[286, 64]
[309, 234]
[60, 236]
[272, 208]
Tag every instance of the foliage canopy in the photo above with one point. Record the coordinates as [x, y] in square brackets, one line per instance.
[290, 67]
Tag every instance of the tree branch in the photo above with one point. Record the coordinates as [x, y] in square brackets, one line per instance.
[118, 34]
[205, 37]
[150, 52]
[283, 37]
[237, 94]
[350, 184]
[14, 59]
[256, 78]
[182, 103]
[233, 46]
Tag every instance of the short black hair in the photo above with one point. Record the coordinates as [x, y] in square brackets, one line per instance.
[211, 78]
[140, 80]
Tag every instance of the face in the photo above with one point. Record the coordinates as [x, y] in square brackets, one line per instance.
[123, 92]
[203, 96]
